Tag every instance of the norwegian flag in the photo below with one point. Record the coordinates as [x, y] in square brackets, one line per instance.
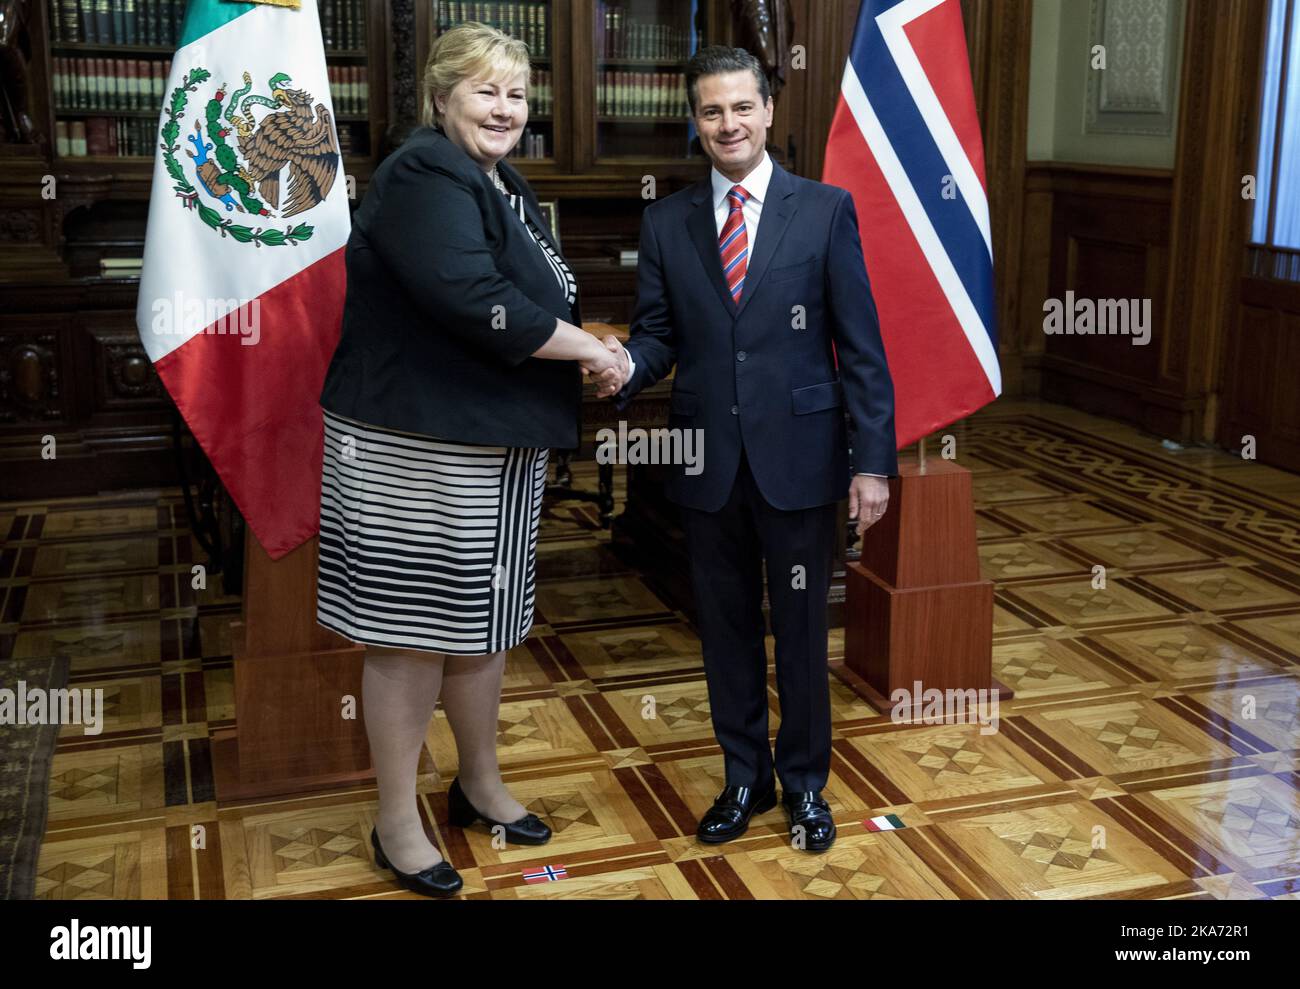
[546, 874]
[905, 141]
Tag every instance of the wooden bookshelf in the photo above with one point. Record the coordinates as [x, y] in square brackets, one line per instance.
[639, 48]
[618, 95]
[543, 149]
[107, 66]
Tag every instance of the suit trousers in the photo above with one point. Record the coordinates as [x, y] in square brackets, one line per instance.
[728, 549]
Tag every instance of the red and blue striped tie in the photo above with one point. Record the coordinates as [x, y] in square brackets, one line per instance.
[733, 244]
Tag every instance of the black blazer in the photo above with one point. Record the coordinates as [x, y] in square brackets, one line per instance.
[447, 297]
[761, 376]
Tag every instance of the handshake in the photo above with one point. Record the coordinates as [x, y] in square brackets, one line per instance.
[609, 364]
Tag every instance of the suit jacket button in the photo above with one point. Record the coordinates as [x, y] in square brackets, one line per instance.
[735, 410]
[741, 356]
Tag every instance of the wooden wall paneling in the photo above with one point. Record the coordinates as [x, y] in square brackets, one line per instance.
[72, 366]
[1108, 240]
[1255, 345]
[121, 376]
[977, 16]
[1220, 85]
[1109, 264]
[30, 226]
[1286, 396]
[38, 399]
[1001, 43]
[1025, 343]
[1112, 225]
[35, 371]
[1259, 395]
[828, 27]
[1255, 393]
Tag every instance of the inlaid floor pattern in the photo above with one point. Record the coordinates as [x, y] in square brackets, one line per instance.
[1151, 750]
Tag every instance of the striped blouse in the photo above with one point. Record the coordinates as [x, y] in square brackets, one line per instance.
[563, 275]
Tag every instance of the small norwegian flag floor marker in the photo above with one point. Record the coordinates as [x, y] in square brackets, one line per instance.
[889, 822]
[546, 874]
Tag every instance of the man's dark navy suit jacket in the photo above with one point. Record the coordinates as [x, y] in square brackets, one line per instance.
[763, 374]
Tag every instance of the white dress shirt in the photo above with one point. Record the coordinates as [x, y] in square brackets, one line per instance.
[755, 183]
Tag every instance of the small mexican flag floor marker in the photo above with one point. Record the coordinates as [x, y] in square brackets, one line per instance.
[546, 874]
[890, 822]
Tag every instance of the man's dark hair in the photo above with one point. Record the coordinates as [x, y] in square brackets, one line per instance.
[717, 59]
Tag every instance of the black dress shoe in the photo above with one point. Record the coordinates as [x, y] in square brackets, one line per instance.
[437, 880]
[807, 810]
[729, 816]
[528, 830]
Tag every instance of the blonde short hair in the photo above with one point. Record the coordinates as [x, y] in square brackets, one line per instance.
[464, 52]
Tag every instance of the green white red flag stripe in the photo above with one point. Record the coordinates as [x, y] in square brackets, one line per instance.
[887, 822]
[241, 294]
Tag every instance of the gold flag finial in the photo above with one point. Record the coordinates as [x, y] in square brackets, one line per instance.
[294, 4]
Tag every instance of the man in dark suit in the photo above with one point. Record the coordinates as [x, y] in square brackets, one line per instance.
[745, 281]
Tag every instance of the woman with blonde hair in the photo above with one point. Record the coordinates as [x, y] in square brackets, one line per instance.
[458, 368]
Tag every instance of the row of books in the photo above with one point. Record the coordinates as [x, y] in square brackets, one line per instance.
[349, 88]
[342, 23]
[158, 22]
[116, 136]
[524, 19]
[619, 35]
[109, 83]
[354, 139]
[134, 136]
[531, 145]
[642, 94]
[541, 95]
[117, 22]
[138, 84]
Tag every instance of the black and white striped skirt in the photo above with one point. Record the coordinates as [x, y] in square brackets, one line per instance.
[427, 544]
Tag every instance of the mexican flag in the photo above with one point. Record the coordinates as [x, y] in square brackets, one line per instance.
[241, 296]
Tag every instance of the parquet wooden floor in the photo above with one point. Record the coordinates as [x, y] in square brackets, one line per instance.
[1152, 750]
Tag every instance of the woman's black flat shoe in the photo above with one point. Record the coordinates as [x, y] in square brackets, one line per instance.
[528, 830]
[437, 880]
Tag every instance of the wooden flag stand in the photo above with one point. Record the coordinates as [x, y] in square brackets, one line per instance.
[916, 606]
[291, 680]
